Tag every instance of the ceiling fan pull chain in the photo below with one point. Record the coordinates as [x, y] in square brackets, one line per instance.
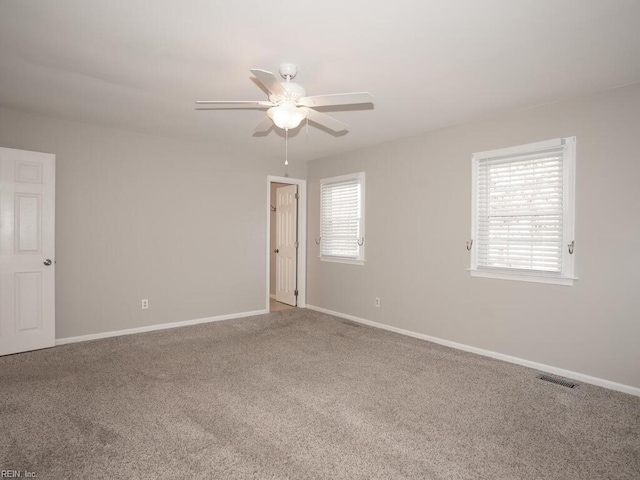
[286, 146]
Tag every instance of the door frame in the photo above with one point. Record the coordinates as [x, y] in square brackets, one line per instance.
[301, 264]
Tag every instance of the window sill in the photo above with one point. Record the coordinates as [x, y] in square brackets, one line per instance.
[351, 261]
[536, 278]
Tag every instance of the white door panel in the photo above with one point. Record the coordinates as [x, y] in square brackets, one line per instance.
[27, 301]
[286, 243]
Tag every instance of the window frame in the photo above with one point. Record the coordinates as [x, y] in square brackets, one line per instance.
[566, 276]
[360, 260]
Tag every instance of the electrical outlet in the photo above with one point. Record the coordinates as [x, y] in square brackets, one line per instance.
[377, 301]
[145, 304]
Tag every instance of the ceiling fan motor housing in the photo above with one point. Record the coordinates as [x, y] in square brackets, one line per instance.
[293, 91]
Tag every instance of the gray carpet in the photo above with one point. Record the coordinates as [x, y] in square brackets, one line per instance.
[301, 395]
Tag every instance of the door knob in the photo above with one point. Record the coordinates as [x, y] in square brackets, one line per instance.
[276, 251]
[47, 262]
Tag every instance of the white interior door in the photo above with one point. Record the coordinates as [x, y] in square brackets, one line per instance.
[27, 267]
[286, 243]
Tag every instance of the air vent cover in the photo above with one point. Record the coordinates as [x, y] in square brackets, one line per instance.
[557, 381]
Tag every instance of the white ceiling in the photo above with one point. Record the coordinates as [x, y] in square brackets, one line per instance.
[141, 64]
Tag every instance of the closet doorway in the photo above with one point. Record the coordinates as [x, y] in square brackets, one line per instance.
[286, 243]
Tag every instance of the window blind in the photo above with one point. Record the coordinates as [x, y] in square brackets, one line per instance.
[519, 211]
[340, 218]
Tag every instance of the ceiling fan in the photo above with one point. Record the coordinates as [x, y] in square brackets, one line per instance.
[288, 103]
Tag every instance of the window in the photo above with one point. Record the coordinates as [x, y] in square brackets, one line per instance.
[523, 211]
[342, 218]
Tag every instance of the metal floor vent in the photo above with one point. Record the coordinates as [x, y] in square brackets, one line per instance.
[351, 324]
[557, 381]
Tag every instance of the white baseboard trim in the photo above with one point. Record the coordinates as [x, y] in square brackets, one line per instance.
[161, 326]
[271, 295]
[488, 353]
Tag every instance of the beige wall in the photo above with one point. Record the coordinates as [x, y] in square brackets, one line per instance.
[418, 217]
[182, 224]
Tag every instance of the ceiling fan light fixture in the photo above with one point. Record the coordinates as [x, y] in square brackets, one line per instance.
[286, 115]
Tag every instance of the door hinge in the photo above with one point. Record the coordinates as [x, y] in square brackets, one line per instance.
[295, 292]
[295, 244]
[297, 196]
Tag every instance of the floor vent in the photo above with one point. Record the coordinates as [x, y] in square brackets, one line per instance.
[557, 381]
[351, 324]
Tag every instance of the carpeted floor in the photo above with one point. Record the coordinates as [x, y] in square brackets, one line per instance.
[301, 395]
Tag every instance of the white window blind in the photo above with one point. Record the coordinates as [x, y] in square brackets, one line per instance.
[341, 217]
[523, 218]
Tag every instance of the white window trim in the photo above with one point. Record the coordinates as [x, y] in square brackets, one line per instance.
[360, 176]
[567, 276]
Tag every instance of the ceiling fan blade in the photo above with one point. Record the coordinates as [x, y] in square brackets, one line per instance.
[336, 99]
[264, 126]
[269, 80]
[325, 120]
[236, 102]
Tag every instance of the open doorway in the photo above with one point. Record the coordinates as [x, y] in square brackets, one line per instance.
[286, 243]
